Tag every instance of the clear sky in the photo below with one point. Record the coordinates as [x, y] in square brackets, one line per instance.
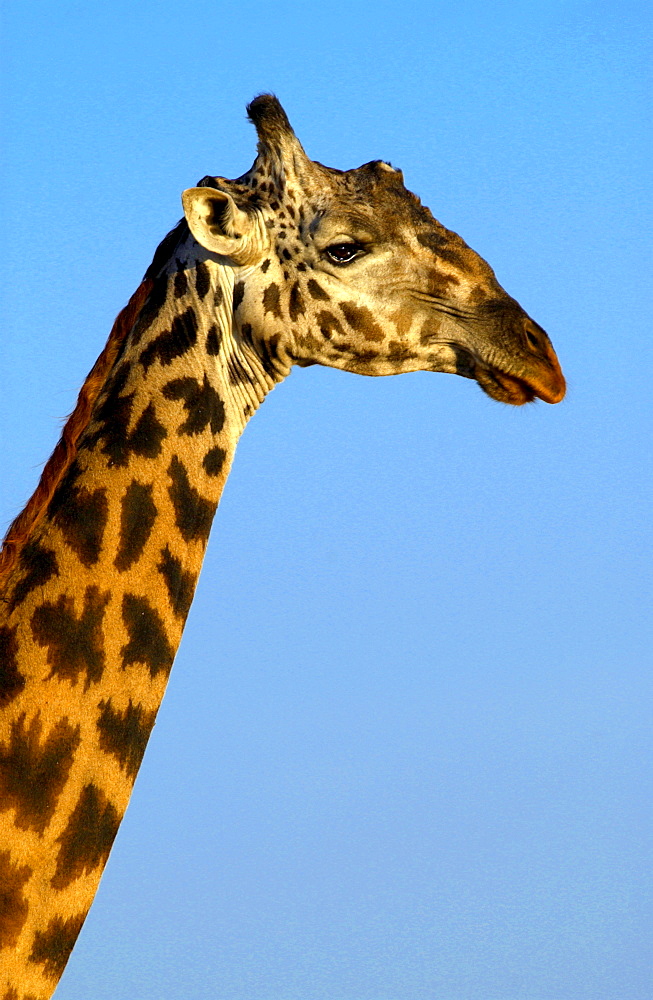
[405, 752]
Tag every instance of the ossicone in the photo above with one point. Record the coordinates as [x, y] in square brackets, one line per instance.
[270, 120]
[278, 146]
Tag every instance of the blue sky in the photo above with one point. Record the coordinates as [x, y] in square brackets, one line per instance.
[405, 752]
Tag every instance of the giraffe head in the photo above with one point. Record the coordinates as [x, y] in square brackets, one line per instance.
[349, 269]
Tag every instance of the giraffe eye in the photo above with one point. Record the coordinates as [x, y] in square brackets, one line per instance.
[344, 253]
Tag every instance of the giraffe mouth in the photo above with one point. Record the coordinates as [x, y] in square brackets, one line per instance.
[543, 381]
[548, 385]
[506, 388]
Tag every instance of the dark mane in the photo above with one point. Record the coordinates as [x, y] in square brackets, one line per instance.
[64, 453]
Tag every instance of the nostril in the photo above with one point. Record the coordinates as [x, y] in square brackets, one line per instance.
[532, 339]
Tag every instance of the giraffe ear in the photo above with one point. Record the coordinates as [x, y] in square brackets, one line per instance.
[219, 225]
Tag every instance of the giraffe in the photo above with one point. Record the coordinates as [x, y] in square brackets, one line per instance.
[293, 263]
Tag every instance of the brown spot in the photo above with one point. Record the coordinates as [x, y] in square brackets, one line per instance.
[12, 681]
[87, 839]
[111, 425]
[311, 346]
[296, 304]
[271, 300]
[148, 642]
[33, 771]
[82, 521]
[180, 583]
[193, 512]
[181, 282]
[52, 947]
[202, 279]
[400, 352]
[453, 257]
[137, 516]
[402, 320]
[265, 265]
[362, 319]
[172, 343]
[432, 239]
[146, 438]
[74, 644]
[329, 324]
[218, 297]
[39, 565]
[214, 460]
[124, 735]
[153, 306]
[440, 282]
[202, 404]
[82, 516]
[13, 905]
[479, 296]
[213, 340]
[239, 291]
[316, 291]
[364, 357]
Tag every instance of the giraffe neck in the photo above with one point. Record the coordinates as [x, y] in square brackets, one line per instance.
[94, 606]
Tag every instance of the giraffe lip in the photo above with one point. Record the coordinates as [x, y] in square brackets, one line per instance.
[553, 391]
[542, 378]
[548, 385]
[503, 387]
